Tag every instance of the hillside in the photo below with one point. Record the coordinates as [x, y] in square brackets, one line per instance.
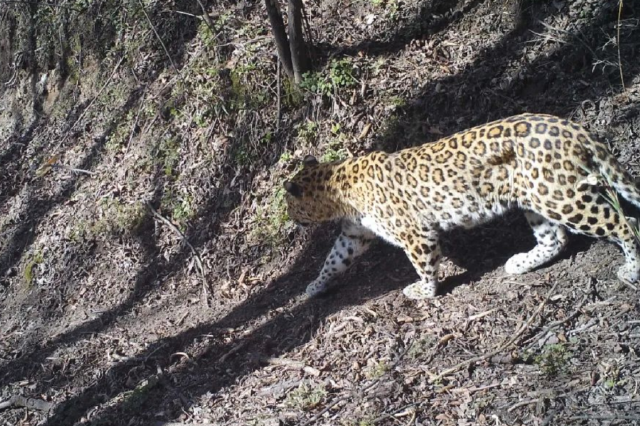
[148, 274]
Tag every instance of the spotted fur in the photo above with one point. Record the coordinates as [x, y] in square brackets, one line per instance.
[538, 163]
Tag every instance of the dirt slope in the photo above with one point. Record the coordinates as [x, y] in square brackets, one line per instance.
[148, 274]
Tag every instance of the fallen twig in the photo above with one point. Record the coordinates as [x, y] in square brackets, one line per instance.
[19, 401]
[555, 324]
[502, 347]
[206, 17]
[232, 351]
[542, 397]
[195, 253]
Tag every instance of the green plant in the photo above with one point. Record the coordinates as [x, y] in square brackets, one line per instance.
[316, 83]
[335, 151]
[341, 75]
[308, 132]
[613, 377]
[420, 347]
[553, 359]
[179, 206]
[114, 217]
[376, 370]
[398, 101]
[293, 95]
[362, 421]
[305, 397]
[168, 153]
[285, 157]
[246, 93]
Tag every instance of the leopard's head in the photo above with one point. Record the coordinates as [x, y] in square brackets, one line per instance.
[309, 197]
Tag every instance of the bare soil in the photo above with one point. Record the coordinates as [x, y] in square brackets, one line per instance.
[147, 275]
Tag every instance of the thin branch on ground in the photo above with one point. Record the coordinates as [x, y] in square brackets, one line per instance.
[180, 12]
[558, 323]
[395, 412]
[195, 253]
[71, 169]
[164, 47]
[206, 17]
[502, 347]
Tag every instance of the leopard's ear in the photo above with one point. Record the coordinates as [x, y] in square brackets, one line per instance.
[310, 160]
[293, 189]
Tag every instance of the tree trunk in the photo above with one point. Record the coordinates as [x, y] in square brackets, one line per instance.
[277, 27]
[299, 54]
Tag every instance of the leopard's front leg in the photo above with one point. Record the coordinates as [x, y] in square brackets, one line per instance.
[351, 243]
[423, 250]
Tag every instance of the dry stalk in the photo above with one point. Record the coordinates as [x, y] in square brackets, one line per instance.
[619, 56]
[536, 400]
[502, 347]
[278, 88]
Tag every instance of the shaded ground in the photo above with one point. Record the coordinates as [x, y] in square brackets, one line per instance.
[147, 274]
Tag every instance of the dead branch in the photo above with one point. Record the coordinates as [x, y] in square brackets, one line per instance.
[206, 17]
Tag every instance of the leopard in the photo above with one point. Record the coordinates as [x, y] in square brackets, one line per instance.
[554, 170]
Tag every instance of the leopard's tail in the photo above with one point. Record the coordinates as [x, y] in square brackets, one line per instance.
[617, 176]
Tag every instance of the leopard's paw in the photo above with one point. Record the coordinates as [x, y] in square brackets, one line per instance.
[420, 290]
[316, 288]
[518, 264]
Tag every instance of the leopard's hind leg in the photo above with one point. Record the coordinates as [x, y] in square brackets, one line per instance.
[588, 212]
[597, 218]
[551, 238]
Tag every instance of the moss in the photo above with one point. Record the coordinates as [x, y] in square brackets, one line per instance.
[114, 218]
[34, 261]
